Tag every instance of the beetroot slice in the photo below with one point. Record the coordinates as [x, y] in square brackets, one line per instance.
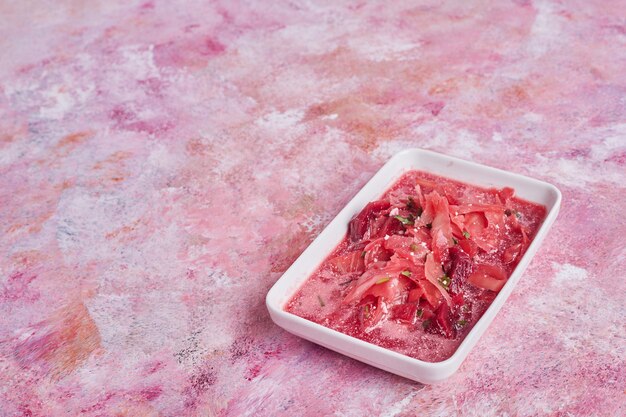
[469, 247]
[461, 267]
[349, 262]
[441, 323]
[391, 227]
[406, 313]
[371, 311]
[359, 224]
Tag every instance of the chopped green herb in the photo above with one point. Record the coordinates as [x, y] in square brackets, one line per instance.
[419, 312]
[367, 310]
[322, 303]
[407, 221]
[465, 308]
[466, 234]
[429, 226]
[419, 211]
[445, 281]
[456, 242]
[518, 214]
[461, 322]
[406, 273]
[413, 247]
[426, 324]
[363, 254]
[382, 280]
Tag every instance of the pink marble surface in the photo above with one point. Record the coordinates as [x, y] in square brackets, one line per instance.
[162, 164]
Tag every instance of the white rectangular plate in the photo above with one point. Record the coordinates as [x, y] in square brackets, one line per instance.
[412, 159]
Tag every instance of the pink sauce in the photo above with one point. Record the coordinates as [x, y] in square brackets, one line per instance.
[420, 266]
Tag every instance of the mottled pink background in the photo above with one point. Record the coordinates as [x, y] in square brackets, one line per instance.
[162, 164]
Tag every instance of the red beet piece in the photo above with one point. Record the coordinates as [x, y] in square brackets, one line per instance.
[461, 267]
[405, 312]
[469, 246]
[359, 224]
[442, 322]
[391, 227]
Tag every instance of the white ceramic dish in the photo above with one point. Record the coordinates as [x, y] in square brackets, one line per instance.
[468, 172]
